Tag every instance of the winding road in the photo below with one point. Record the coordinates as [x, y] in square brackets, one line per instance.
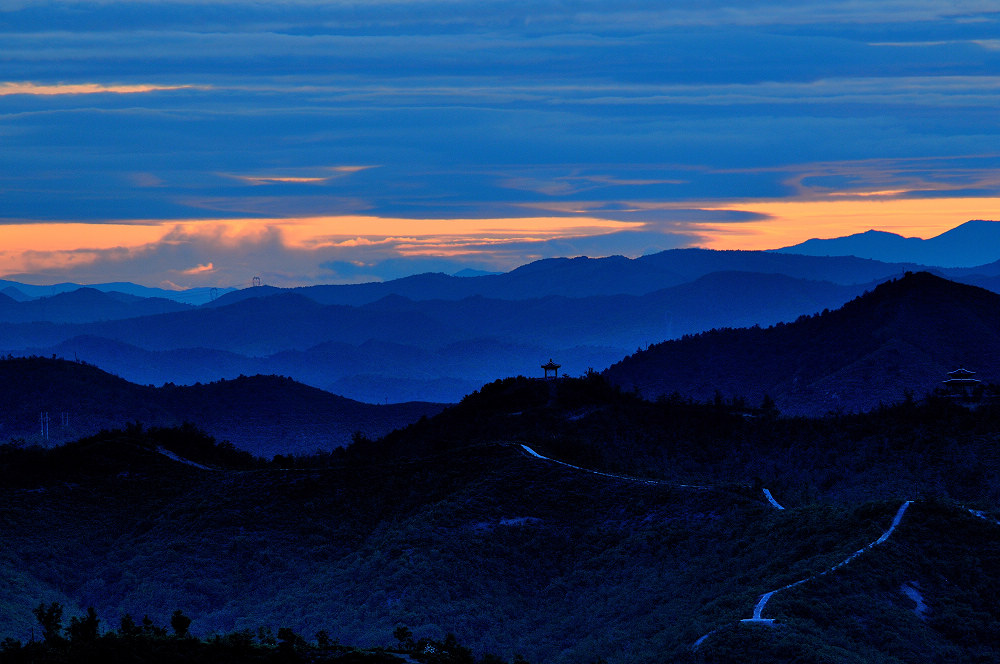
[770, 499]
[187, 462]
[629, 478]
[758, 609]
[762, 601]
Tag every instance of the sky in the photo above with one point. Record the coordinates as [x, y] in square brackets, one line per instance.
[204, 143]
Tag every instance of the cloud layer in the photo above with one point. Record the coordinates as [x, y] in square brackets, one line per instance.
[678, 122]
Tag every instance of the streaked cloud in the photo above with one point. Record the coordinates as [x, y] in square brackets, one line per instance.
[331, 173]
[27, 88]
[240, 135]
[199, 269]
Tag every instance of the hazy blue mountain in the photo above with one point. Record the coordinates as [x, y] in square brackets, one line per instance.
[14, 293]
[903, 336]
[716, 300]
[234, 296]
[86, 305]
[470, 272]
[584, 277]
[588, 277]
[990, 283]
[154, 367]
[971, 244]
[398, 349]
[987, 270]
[264, 415]
[192, 296]
[263, 326]
[575, 277]
[396, 341]
[372, 372]
[567, 277]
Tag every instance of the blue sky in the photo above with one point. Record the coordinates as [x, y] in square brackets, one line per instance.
[203, 143]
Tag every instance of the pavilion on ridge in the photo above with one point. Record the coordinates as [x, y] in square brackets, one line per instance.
[553, 367]
[961, 384]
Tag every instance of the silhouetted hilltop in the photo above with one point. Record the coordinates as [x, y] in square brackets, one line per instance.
[904, 336]
[85, 305]
[971, 244]
[264, 415]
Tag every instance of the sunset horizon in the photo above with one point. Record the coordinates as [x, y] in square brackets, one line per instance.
[436, 245]
[499, 331]
[177, 143]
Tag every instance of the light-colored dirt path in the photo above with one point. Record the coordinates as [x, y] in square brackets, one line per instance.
[770, 499]
[629, 478]
[762, 601]
[179, 459]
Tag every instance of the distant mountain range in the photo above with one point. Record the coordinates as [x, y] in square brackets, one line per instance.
[84, 305]
[398, 349]
[264, 415]
[901, 337]
[968, 245]
[589, 277]
[904, 336]
[434, 337]
[193, 296]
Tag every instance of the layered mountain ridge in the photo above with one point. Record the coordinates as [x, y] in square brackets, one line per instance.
[51, 401]
[900, 339]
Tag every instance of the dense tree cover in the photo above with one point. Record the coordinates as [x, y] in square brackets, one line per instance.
[935, 446]
[905, 335]
[261, 414]
[449, 527]
[83, 642]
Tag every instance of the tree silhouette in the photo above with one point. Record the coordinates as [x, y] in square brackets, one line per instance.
[50, 618]
[84, 630]
[180, 623]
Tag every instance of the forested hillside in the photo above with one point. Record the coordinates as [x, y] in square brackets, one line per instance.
[453, 526]
[901, 338]
[50, 401]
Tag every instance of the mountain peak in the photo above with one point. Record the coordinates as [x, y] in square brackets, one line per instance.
[903, 336]
[970, 244]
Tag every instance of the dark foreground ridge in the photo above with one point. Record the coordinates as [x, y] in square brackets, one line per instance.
[49, 401]
[83, 641]
[652, 531]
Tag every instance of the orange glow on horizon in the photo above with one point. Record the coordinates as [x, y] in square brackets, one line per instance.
[792, 222]
[25, 248]
[339, 231]
[47, 237]
[505, 242]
